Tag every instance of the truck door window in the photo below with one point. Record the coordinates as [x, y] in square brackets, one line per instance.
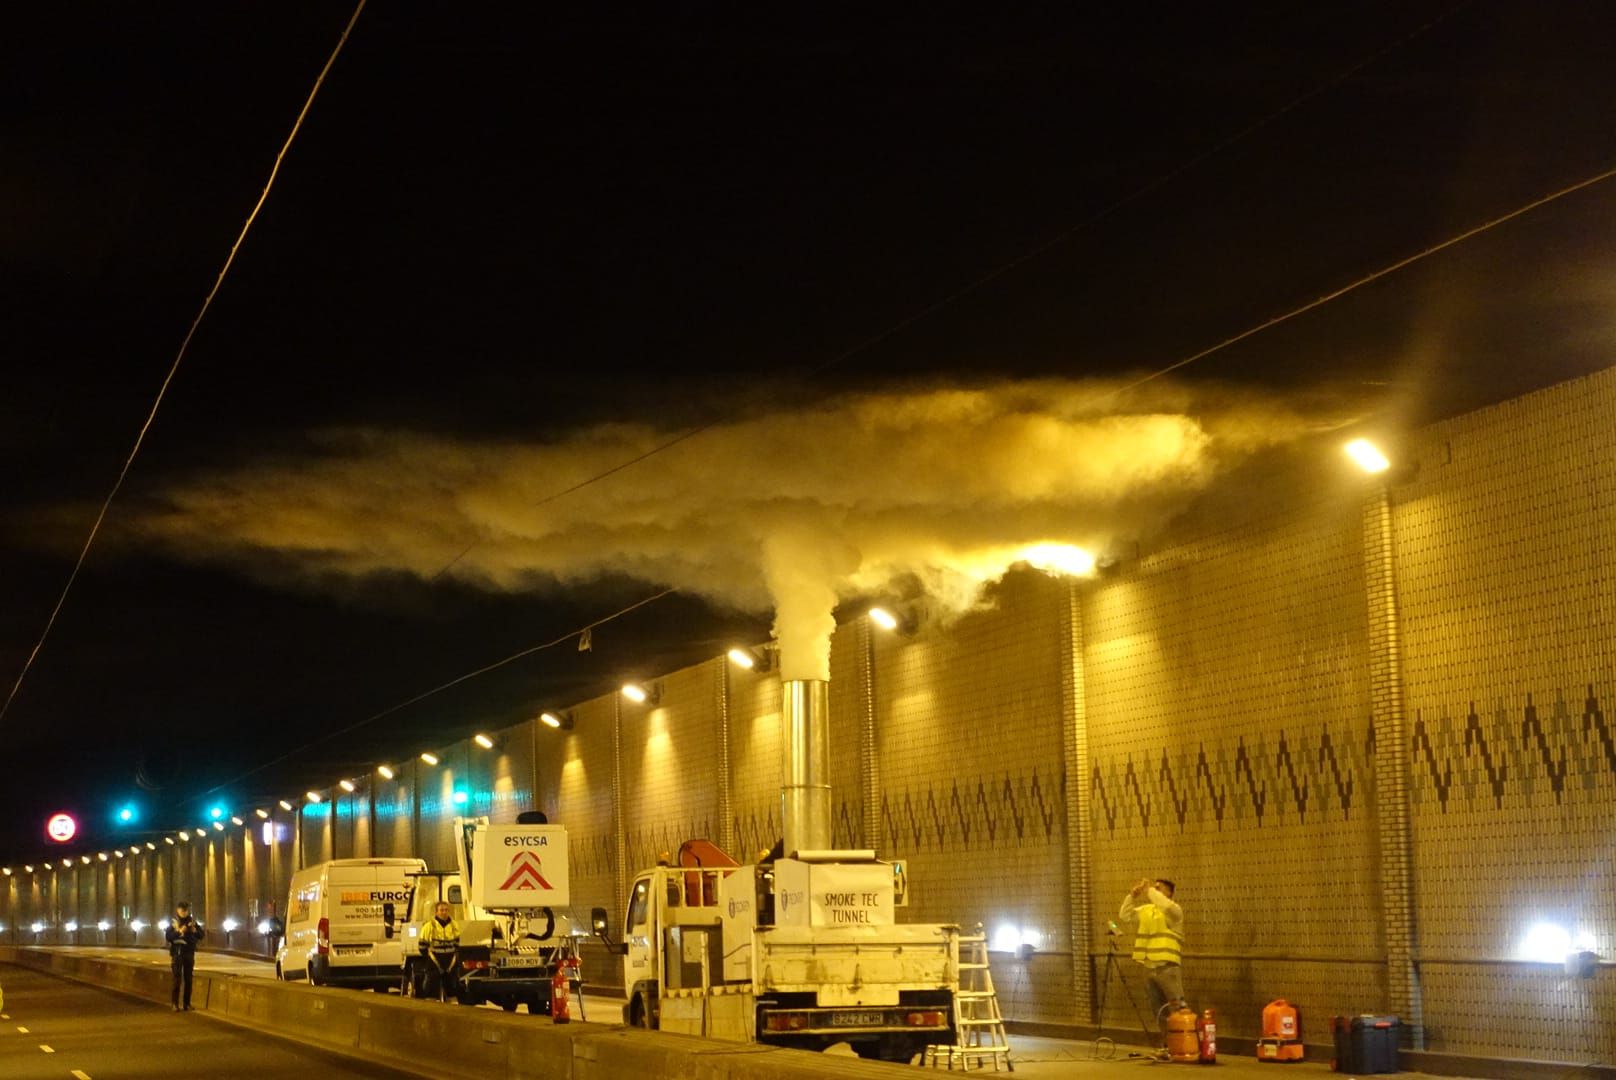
[637, 905]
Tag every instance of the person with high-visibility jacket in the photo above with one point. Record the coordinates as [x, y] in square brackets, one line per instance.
[441, 929]
[1158, 942]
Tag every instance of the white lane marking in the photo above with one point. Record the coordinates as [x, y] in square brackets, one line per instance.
[80, 1074]
[47, 1049]
[22, 1030]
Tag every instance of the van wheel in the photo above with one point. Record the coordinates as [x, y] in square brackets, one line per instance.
[312, 980]
[280, 975]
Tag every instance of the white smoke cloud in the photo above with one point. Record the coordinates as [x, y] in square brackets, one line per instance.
[789, 510]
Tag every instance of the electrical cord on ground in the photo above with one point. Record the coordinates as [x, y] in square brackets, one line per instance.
[162, 391]
[1000, 270]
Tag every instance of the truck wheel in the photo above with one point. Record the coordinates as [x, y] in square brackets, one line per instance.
[639, 1013]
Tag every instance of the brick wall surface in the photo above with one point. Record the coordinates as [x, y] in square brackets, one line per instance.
[1228, 721]
[1368, 730]
[1506, 557]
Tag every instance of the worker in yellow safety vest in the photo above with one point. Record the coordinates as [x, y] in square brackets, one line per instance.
[1158, 943]
[440, 929]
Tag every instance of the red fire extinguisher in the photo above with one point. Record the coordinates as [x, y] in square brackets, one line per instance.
[1208, 1032]
[558, 994]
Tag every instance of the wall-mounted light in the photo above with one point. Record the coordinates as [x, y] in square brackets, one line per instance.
[103, 856]
[385, 772]
[8, 871]
[1053, 557]
[751, 659]
[37, 927]
[229, 926]
[218, 826]
[1367, 456]
[150, 846]
[285, 805]
[116, 851]
[263, 815]
[137, 925]
[346, 785]
[641, 694]
[234, 820]
[48, 866]
[429, 757]
[28, 869]
[103, 926]
[560, 721]
[312, 796]
[86, 859]
[168, 840]
[483, 741]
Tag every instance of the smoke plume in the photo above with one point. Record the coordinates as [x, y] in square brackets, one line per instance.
[790, 509]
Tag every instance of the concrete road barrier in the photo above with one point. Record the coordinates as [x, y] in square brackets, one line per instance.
[450, 1041]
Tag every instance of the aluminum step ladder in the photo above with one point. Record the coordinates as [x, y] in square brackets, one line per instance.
[978, 1025]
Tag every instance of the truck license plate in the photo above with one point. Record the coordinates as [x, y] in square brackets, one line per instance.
[857, 1019]
[521, 961]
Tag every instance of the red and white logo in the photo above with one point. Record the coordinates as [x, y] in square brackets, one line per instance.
[525, 873]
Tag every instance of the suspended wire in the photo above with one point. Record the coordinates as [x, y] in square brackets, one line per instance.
[978, 283]
[162, 391]
[440, 688]
[1368, 278]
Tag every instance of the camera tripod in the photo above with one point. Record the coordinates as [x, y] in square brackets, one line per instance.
[1114, 968]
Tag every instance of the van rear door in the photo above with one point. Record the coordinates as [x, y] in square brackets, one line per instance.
[358, 895]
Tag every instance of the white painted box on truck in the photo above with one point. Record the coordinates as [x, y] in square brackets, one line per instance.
[337, 931]
[519, 867]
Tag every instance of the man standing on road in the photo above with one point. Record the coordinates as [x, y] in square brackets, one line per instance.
[1159, 940]
[440, 930]
[183, 933]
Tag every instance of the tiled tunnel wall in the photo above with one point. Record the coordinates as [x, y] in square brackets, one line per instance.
[1209, 711]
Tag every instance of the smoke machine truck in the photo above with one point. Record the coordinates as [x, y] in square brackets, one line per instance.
[802, 952]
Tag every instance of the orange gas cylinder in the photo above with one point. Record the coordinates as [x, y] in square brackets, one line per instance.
[1183, 1041]
[1279, 1020]
[1281, 1033]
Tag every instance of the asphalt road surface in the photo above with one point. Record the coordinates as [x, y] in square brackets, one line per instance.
[54, 1029]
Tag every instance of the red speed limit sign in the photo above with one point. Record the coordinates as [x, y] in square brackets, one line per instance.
[61, 828]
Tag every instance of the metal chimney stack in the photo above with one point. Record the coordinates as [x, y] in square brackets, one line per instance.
[805, 798]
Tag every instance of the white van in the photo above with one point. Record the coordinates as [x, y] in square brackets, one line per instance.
[341, 922]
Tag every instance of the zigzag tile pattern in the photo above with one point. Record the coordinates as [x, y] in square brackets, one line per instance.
[1005, 809]
[1305, 773]
[1488, 756]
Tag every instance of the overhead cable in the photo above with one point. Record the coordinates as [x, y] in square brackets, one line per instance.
[441, 687]
[162, 391]
[1000, 270]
